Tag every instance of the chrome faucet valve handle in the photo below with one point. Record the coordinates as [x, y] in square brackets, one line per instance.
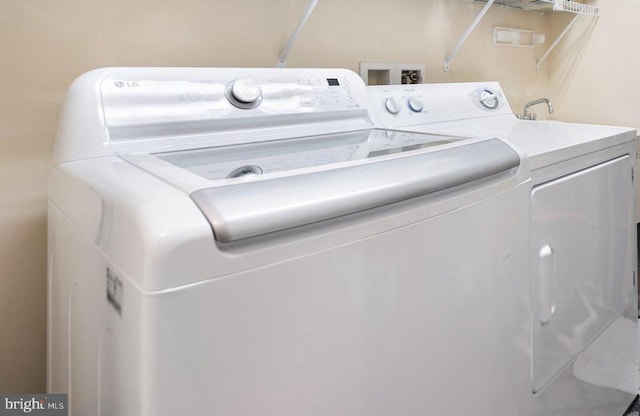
[534, 116]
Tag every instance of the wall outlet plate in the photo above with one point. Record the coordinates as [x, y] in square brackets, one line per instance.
[386, 73]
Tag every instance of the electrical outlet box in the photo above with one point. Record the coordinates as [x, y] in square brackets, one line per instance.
[378, 73]
[374, 73]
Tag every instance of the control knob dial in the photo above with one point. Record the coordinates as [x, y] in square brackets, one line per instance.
[488, 99]
[391, 105]
[415, 104]
[244, 93]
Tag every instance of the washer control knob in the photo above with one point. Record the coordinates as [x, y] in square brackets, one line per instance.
[244, 93]
[245, 171]
[391, 105]
[488, 99]
[415, 105]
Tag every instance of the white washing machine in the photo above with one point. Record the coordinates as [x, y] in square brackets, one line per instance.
[584, 307]
[244, 242]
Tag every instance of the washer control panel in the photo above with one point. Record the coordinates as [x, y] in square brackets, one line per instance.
[399, 105]
[152, 102]
[407, 105]
[394, 105]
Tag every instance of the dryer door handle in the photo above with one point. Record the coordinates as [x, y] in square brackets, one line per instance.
[262, 206]
[546, 284]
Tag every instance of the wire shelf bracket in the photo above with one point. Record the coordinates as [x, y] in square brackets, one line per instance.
[543, 6]
[282, 59]
[465, 36]
[567, 6]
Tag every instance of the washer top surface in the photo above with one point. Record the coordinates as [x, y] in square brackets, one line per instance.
[544, 142]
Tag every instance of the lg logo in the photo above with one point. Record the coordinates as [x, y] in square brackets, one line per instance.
[123, 84]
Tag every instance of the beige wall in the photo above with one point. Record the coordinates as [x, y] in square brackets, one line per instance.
[595, 73]
[344, 33]
[45, 44]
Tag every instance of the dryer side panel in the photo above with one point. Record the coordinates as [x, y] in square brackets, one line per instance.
[583, 265]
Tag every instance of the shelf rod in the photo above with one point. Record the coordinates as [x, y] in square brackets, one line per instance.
[466, 34]
[555, 43]
[282, 59]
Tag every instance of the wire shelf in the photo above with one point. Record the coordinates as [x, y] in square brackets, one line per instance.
[546, 6]
[542, 6]
[574, 7]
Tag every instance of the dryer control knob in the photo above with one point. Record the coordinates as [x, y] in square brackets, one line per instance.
[415, 105]
[488, 99]
[244, 93]
[391, 105]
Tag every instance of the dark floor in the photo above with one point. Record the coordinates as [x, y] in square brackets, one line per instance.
[635, 409]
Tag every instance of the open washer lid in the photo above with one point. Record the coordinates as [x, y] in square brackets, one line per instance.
[253, 189]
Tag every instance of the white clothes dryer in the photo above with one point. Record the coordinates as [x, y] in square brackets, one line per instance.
[583, 275]
[245, 242]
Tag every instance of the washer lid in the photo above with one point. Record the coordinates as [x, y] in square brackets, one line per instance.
[194, 169]
[249, 190]
[259, 207]
[282, 156]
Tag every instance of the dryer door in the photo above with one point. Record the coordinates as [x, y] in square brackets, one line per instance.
[582, 262]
